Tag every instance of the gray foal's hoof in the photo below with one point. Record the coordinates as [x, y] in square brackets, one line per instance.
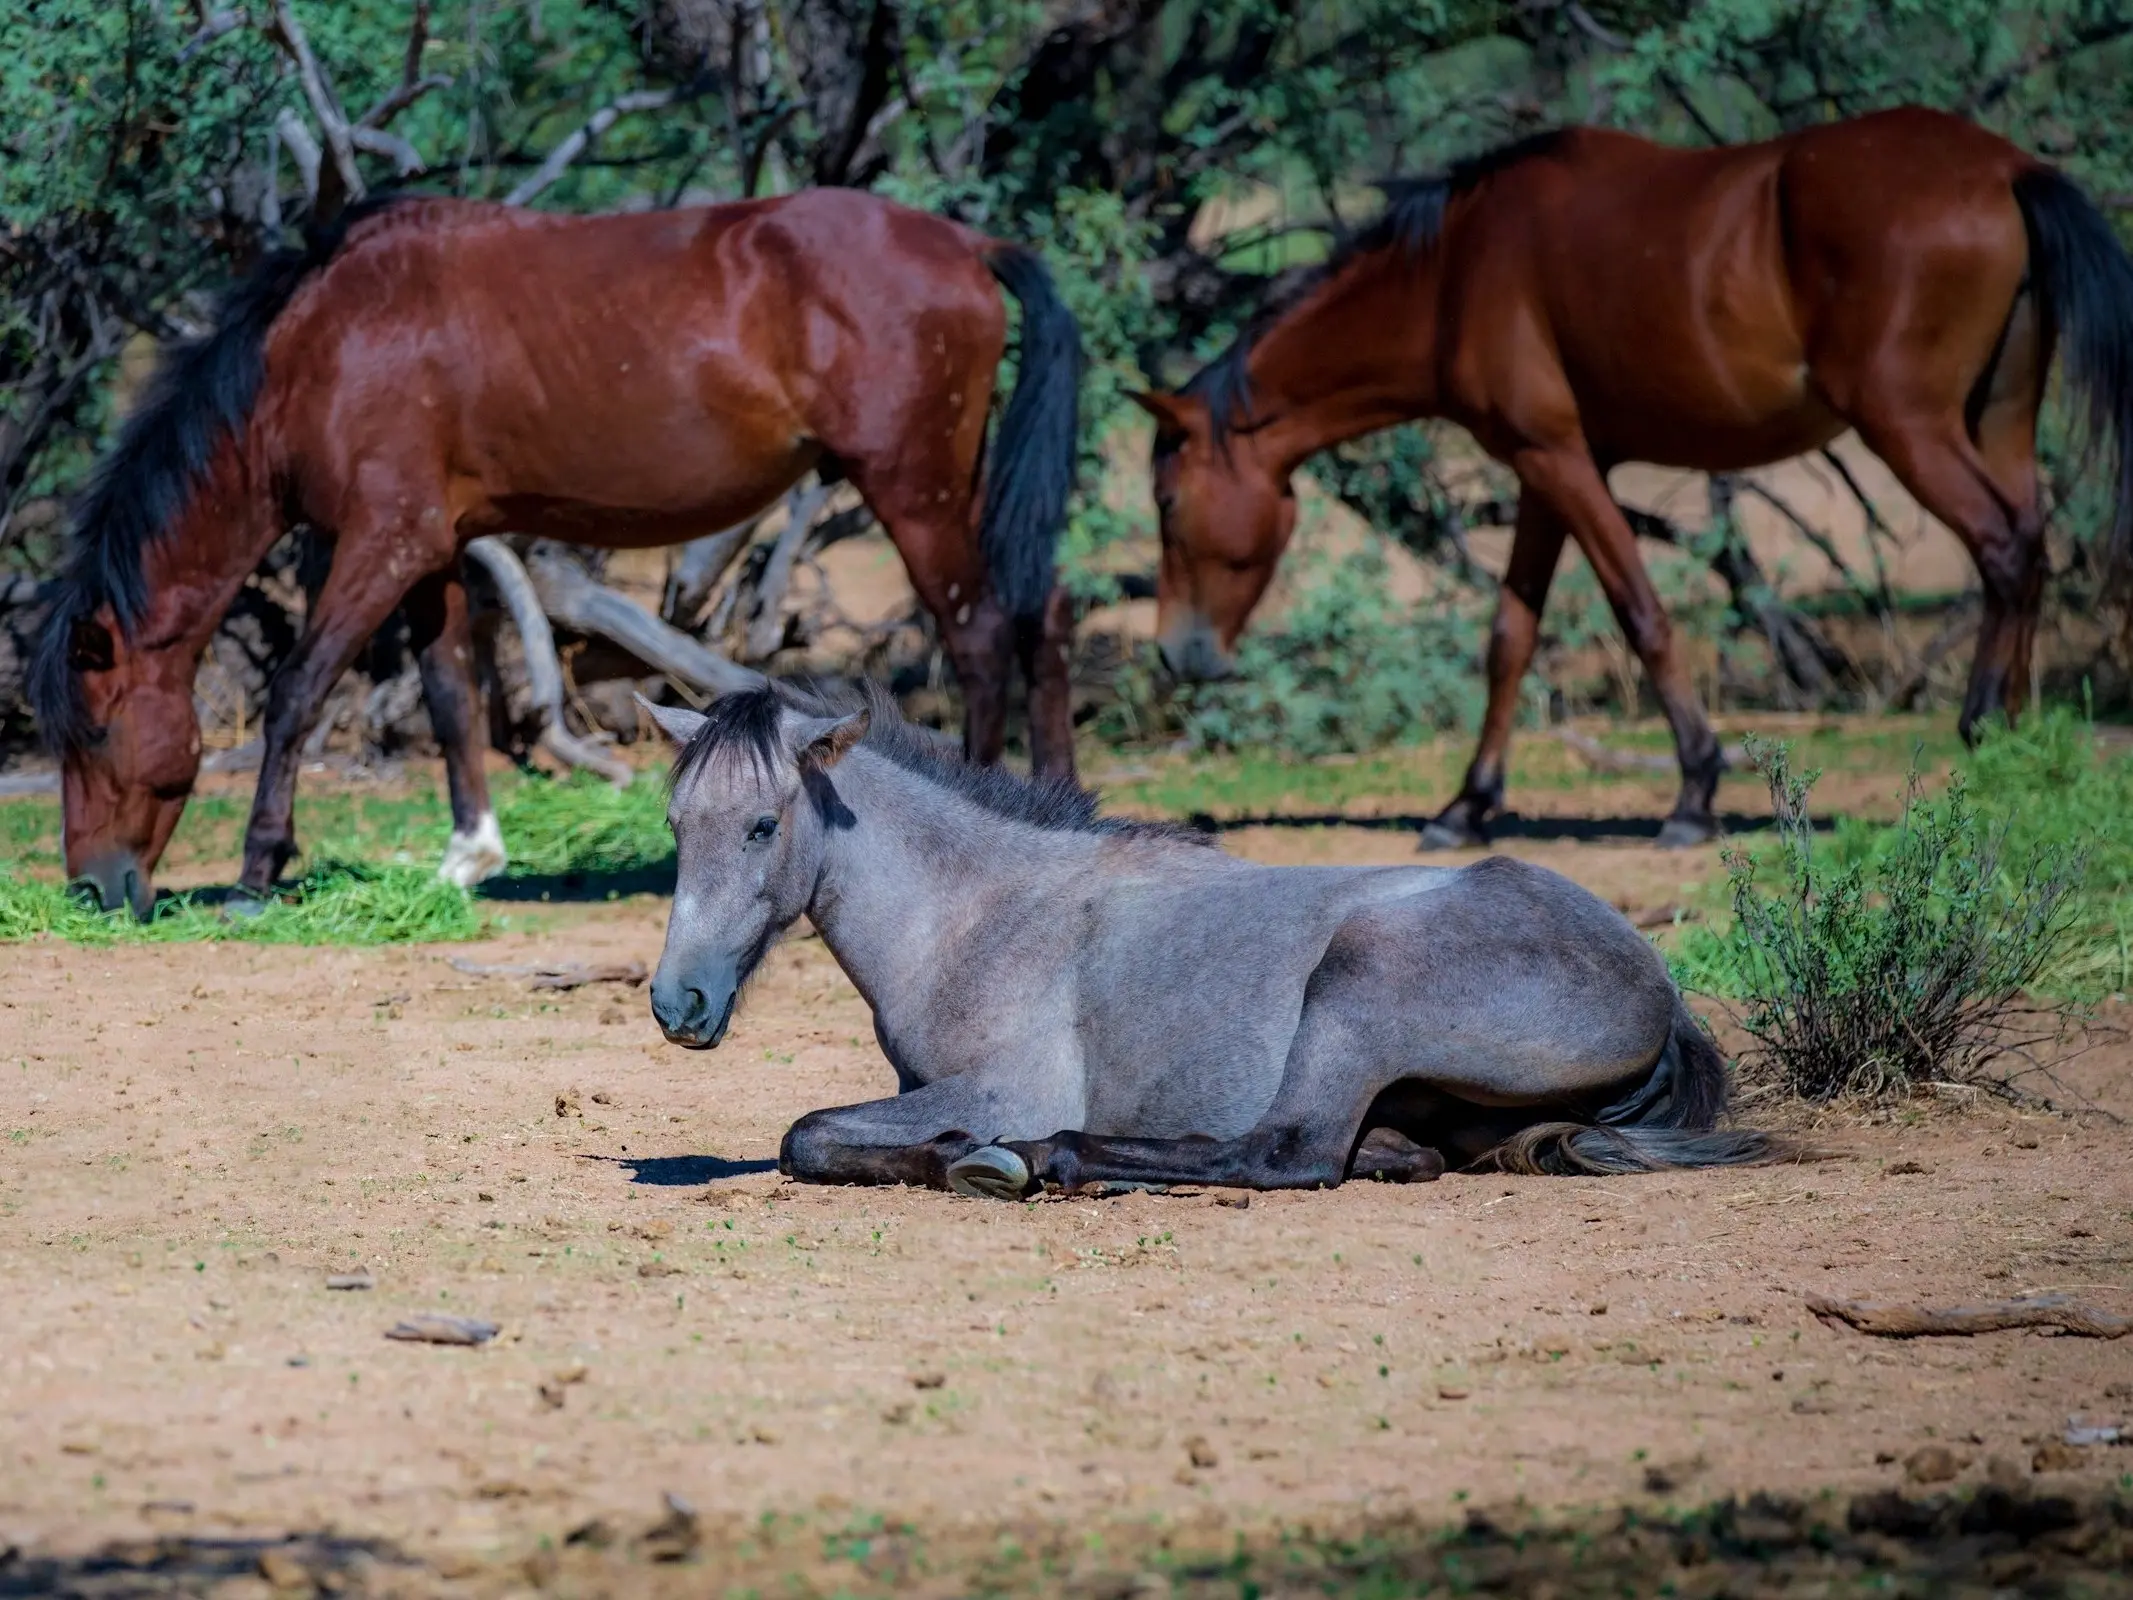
[1682, 833]
[990, 1172]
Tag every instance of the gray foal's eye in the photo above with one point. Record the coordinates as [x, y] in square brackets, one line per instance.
[764, 827]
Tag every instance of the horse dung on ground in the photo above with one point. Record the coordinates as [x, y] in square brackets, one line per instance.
[1068, 997]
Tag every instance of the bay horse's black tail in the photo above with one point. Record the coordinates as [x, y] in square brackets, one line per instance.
[2085, 290]
[1670, 1121]
[1031, 471]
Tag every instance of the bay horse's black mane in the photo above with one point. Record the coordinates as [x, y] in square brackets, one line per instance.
[1410, 223]
[202, 392]
[746, 724]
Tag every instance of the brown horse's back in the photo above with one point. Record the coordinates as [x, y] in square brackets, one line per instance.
[1723, 308]
[621, 379]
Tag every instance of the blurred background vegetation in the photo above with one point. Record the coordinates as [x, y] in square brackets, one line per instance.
[1172, 159]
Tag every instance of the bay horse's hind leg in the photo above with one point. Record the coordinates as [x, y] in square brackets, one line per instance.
[1047, 650]
[444, 650]
[932, 530]
[373, 566]
[1536, 549]
[1976, 470]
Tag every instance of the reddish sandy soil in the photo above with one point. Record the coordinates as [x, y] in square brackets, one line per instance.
[195, 1137]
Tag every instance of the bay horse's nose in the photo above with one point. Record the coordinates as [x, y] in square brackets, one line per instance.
[1193, 655]
[115, 879]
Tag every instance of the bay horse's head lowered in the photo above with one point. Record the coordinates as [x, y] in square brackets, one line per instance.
[1227, 511]
[119, 712]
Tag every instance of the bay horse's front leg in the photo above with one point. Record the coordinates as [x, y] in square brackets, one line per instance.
[443, 638]
[1536, 549]
[369, 577]
[1568, 479]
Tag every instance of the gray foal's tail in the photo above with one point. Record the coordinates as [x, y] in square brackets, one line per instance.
[1670, 1121]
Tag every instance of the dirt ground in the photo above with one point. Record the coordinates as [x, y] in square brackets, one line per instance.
[196, 1137]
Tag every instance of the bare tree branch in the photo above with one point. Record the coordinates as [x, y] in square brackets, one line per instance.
[303, 150]
[1821, 541]
[289, 34]
[400, 99]
[418, 36]
[406, 159]
[579, 139]
[1996, 88]
[766, 622]
[544, 671]
[213, 28]
[570, 596]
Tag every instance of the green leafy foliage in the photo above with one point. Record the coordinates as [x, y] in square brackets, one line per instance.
[1889, 958]
[1345, 667]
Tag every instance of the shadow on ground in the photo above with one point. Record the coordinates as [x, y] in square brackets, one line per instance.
[655, 877]
[1582, 830]
[683, 1172]
[2020, 1540]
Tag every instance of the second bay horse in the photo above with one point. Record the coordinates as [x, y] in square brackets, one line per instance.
[431, 370]
[1587, 298]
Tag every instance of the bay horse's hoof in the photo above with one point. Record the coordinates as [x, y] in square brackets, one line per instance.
[1683, 833]
[242, 904]
[1441, 833]
[990, 1172]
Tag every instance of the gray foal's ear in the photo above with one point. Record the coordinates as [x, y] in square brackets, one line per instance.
[820, 742]
[678, 723]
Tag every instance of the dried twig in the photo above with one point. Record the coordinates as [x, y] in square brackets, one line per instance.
[1890, 1321]
[574, 976]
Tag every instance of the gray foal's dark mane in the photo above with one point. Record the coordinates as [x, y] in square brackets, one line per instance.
[745, 725]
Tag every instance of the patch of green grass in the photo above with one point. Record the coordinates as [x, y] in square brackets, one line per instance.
[582, 825]
[338, 902]
[374, 881]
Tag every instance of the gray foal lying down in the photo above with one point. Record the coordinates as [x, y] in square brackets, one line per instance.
[1184, 1016]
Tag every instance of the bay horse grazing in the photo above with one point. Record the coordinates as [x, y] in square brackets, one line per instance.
[1069, 998]
[1586, 298]
[438, 369]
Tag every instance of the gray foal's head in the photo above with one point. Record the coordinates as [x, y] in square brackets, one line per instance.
[750, 810]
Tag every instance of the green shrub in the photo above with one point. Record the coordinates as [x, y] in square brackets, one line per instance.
[1876, 962]
[1347, 667]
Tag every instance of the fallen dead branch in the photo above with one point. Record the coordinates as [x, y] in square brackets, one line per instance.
[543, 669]
[1889, 1321]
[575, 976]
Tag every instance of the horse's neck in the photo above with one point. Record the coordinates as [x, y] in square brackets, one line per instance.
[1356, 355]
[196, 567]
[918, 870]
